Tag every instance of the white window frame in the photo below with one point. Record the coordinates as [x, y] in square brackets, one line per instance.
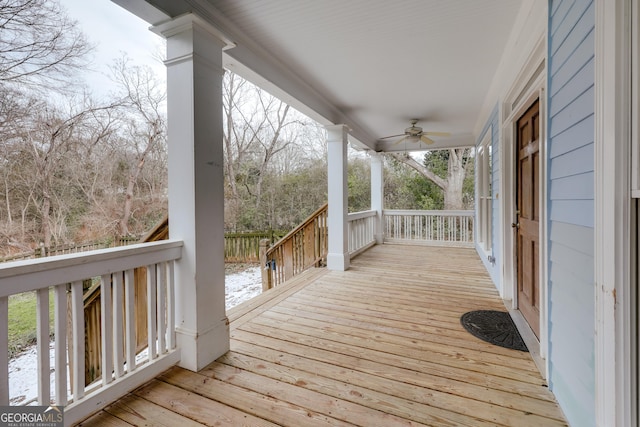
[485, 192]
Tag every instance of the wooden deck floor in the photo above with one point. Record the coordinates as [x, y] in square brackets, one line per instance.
[378, 345]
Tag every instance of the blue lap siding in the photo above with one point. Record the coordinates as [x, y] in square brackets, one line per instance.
[571, 208]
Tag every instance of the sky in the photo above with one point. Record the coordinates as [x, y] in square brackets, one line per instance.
[113, 30]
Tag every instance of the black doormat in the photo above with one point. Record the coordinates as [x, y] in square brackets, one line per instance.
[495, 327]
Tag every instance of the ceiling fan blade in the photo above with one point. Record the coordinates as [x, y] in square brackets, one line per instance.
[437, 133]
[399, 141]
[426, 140]
[392, 136]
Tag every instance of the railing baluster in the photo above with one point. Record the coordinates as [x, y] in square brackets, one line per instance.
[162, 308]
[4, 351]
[60, 327]
[118, 331]
[129, 313]
[396, 227]
[426, 219]
[171, 304]
[107, 328]
[361, 230]
[42, 346]
[77, 310]
[107, 308]
[433, 227]
[151, 311]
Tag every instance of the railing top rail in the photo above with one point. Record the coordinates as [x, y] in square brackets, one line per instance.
[252, 234]
[359, 215]
[432, 212]
[28, 275]
[311, 217]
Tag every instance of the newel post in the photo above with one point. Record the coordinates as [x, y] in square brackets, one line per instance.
[196, 185]
[264, 268]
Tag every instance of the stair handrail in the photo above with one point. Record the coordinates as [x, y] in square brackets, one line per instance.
[303, 247]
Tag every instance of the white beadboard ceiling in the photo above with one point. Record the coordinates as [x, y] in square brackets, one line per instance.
[378, 63]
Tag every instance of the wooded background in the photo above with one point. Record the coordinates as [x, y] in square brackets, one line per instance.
[74, 168]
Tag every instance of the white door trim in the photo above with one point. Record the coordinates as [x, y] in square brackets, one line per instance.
[615, 401]
[529, 85]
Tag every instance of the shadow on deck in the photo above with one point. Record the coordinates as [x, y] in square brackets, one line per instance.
[378, 345]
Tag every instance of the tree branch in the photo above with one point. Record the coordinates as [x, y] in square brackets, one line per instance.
[409, 161]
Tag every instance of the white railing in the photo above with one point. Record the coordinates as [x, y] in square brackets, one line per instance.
[447, 228]
[64, 275]
[362, 231]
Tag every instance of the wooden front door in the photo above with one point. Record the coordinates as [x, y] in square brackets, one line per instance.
[527, 215]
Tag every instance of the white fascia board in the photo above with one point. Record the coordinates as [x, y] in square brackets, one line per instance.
[143, 10]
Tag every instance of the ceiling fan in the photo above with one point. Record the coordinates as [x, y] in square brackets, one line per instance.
[415, 134]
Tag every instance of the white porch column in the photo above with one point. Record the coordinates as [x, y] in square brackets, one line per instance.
[338, 256]
[377, 194]
[196, 196]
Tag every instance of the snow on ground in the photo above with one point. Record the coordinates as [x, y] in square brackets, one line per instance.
[23, 369]
[23, 376]
[242, 286]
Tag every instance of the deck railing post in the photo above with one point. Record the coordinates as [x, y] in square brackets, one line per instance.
[264, 268]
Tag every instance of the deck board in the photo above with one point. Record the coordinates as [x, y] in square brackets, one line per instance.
[379, 344]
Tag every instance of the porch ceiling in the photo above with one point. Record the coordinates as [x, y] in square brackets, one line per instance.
[372, 64]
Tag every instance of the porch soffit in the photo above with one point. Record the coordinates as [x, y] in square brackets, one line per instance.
[371, 64]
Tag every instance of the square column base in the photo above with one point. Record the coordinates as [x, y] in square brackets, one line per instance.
[200, 349]
[338, 262]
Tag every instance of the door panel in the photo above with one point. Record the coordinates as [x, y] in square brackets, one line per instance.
[527, 202]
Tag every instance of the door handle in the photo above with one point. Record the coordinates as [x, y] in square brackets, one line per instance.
[515, 225]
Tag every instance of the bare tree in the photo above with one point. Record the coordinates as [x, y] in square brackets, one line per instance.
[145, 124]
[16, 169]
[271, 134]
[39, 47]
[458, 163]
[90, 172]
[239, 110]
[13, 110]
[237, 135]
[259, 128]
[39, 44]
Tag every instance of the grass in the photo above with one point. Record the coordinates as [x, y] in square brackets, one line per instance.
[22, 321]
